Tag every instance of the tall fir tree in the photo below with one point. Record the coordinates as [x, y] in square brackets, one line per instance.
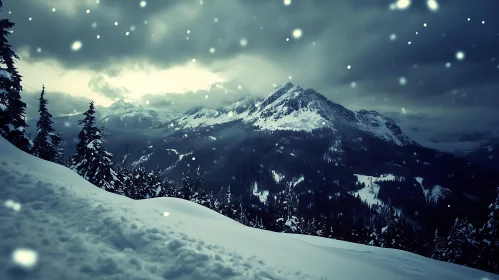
[488, 256]
[47, 143]
[392, 235]
[91, 160]
[461, 246]
[12, 108]
[438, 247]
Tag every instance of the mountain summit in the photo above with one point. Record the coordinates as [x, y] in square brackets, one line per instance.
[291, 107]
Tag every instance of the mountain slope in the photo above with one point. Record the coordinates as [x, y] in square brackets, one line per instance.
[57, 226]
[291, 107]
[122, 114]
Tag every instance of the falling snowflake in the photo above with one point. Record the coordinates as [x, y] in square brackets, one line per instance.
[87, 11]
[483, 21]
[206, 96]
[243, 42]
[297, 33]
[127, 33]
[193, 60]
[393, 36]
[402, 81]
[448, 65]
[12, 205]
[98, 36]
[212, 50]
[94, 24]
[188, 31]
[349, 67]
[166, 214]
[290, 77]
[30, 18]
[76, 46]
[432, 5]
[215, 20]
[425, 25]
[193, 158]
[147, 101]
[460, 55]
[408, 43]
[38, 50]
[67, 124]
[469, 19]
[287, 39]
[239, 87]
[353, 84]
[53, 10]
[116, 23]
[132, 28]
[287, 2]
[143, 4]
[25, 258]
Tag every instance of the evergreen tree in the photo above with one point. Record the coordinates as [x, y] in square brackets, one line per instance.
[125, 177]
[438, 247]
[374, 238]
[47, 144]
[187, 187]
[12, 108]
[91, 160]
[392, 235]
[488, 257]
[227, 205]
[138, 188]
[461, 243]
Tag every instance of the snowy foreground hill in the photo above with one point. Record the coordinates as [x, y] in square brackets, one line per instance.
[55, 225]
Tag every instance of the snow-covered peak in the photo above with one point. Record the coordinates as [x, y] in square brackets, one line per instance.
[126, 111]
[290, 107]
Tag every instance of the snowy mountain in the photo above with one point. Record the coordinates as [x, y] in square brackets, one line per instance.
[291, 107]
[122, 114]
[56, 225]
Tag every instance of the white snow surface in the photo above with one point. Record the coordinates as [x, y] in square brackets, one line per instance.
[277, 176]
[370, 192]
[124, 110]
[79, 231]
[262, 195]
[435, 194]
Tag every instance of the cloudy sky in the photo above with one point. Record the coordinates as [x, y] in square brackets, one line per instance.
[433, 64]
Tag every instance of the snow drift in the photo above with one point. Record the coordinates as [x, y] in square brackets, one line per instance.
[55, 225]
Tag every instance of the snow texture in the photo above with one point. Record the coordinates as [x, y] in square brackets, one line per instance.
[370, 192]
[70, 229]
[262, 195]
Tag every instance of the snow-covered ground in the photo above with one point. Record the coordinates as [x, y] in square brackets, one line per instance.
[370, 192]
[55, 225]
[434, 194]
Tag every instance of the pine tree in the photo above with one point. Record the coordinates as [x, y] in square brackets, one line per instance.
[392, 235]
[47, 144]
[138, 188]
[12, 108]
[488, 256]
[227, 205]
[125, 177]
[187, 187]
[438, 247]
[91, 160]
[461, 244]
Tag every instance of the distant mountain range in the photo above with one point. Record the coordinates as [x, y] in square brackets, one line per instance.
[297, 136]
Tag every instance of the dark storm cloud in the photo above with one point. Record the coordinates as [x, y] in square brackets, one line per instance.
[59, 104]
[99, 84]
[346, 32]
